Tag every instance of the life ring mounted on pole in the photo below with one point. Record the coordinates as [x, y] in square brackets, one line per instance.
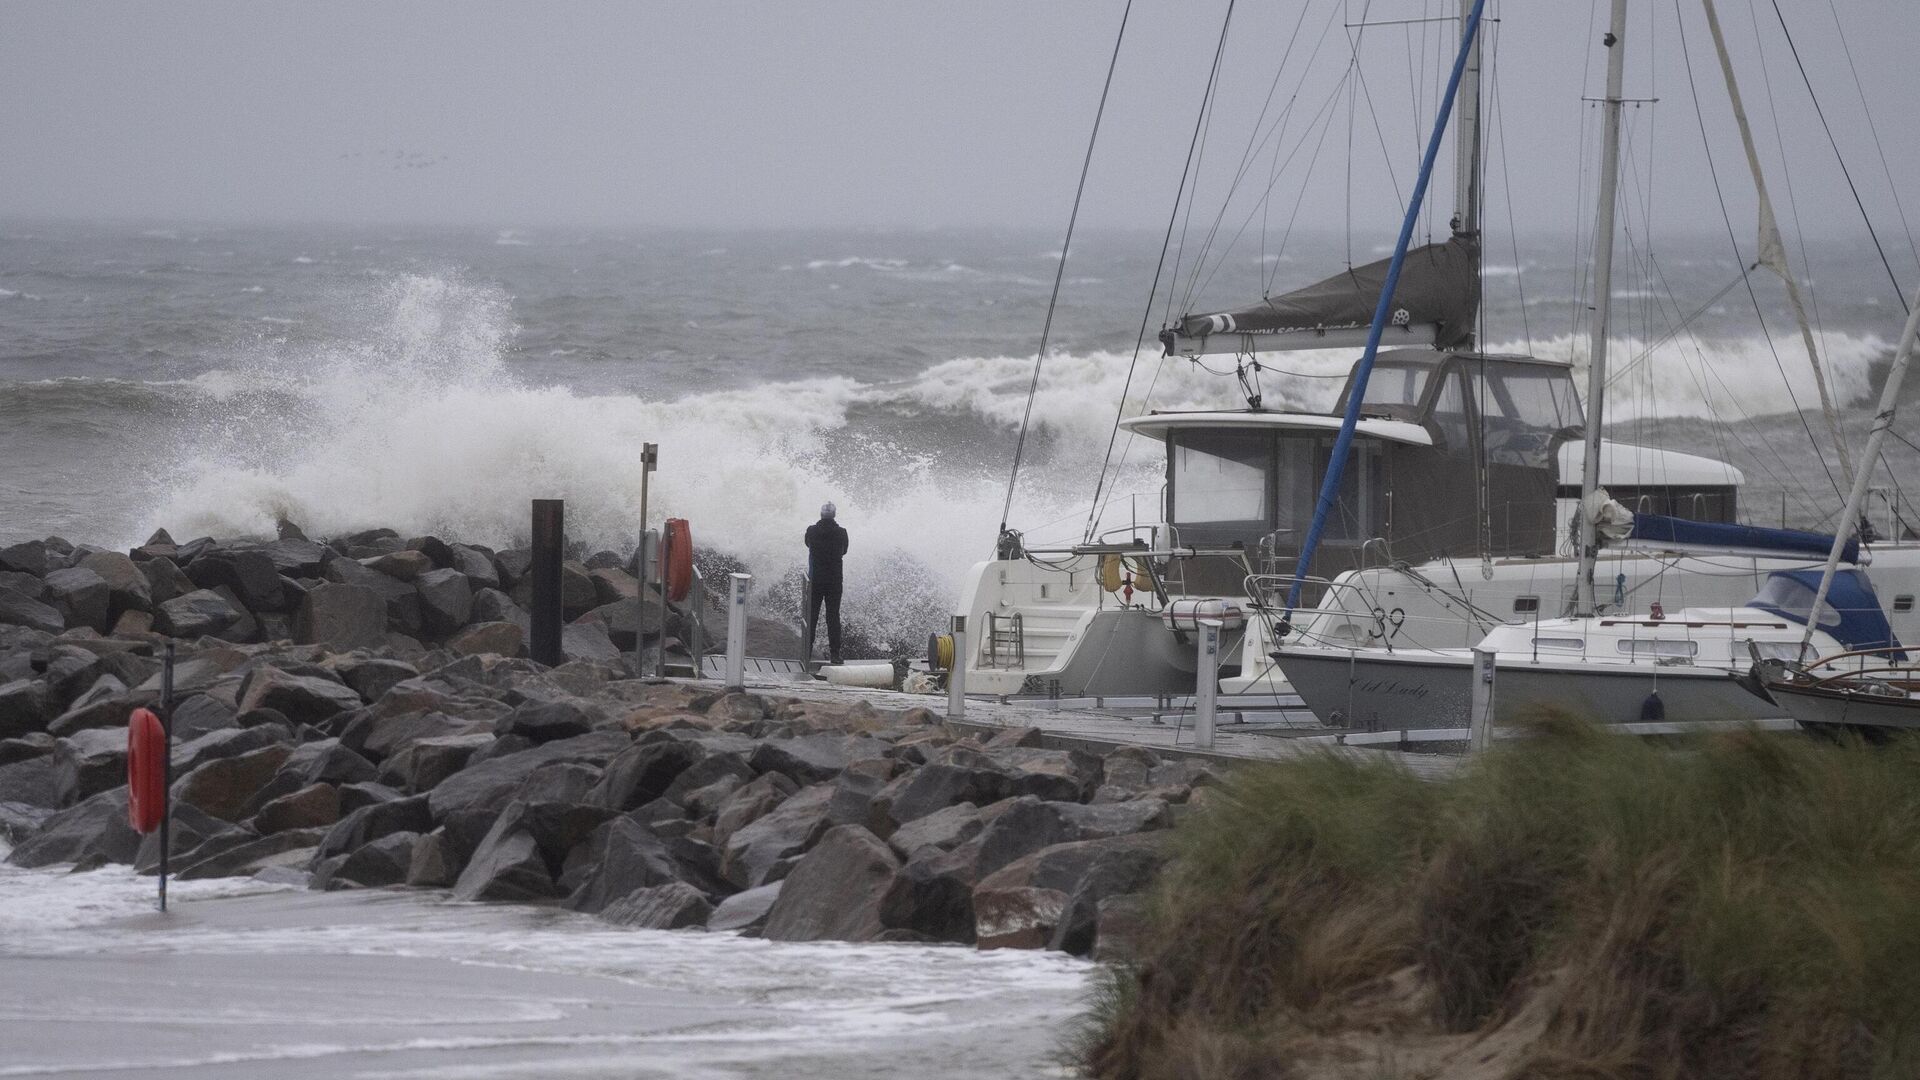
[679, 559]
[146, 771]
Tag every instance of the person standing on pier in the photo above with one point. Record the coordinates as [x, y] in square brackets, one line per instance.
[826, 547]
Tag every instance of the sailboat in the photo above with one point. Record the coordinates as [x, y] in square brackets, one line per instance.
[1442, 450]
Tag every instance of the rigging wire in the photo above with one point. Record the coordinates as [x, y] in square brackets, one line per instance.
[1146, 314]
[1844, 171]
[1206, 130]
[1733, 240]
[1874, 130]
[1060, 272]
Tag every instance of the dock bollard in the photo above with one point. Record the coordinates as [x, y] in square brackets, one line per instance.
[1206, 683]
[957, 678]
[737, 630]
[1480, 711]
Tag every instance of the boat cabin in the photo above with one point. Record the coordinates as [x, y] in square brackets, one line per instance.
[1455, 454]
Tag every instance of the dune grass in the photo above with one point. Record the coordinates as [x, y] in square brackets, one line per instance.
[1577, 904]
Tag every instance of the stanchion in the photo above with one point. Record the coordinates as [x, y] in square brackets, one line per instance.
[737, 630]
[1206, 683]
[957, 678]
[166, 800]
[1480, 715]
[549, 543]
[649, 458]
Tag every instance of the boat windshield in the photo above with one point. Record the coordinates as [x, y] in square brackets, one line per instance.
[1397, 384]
[1793, 598]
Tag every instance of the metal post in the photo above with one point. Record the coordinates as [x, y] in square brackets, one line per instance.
[737, 630]
[1480, 711]
[666, 553]
[1206, 683]
[166, 799]
[696, 627]
[649, 457]
[806, 625]
[643, 564]
[957, 678]
[549, 542]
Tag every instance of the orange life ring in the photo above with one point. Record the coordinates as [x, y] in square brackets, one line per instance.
[679, 540]
[146, 771]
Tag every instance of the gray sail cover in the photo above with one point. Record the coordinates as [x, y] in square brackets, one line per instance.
[1439, 285]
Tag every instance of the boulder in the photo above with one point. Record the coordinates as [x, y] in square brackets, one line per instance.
[837, 891]
[95, 759]
[1101, 820]
[749, 804]
[1123, 867]
[507, 865]
[403, 603]
[201, 714]
[371, 822]
[1022, 826]
[383, 861]
[225, 786]
[939, 785]
[25, 747]
[26, 585]
[311, 807]
[436, 861]
[423, 763]
[303, 699]
[26, 557]
[192, 835]
[446, 601]
[560, 781]
[92, 831]
[612, 584]
[1024, 903]
[201, 613]
[250, 573]
[288, 851]
[943, 829]
[492, 605]
[491, 783]
[20, 820]
[327, 761]
[1051, 775]
[104, 712]
[546, 721]
[643, 772]
[82, 596]
[403, 565]
[675, 905]
[19, 609]
[297, 557]
[45, 780]
[372, 676]
[746, 912]
[26, 706]
[495, 638]
[437, 551]
[165, 580]
[787, 831]
[190, 754]
[128, 588]
[476, 565]
[588, 641]
[721, 767]
[933, 896]
[342, 616]
[813, 759]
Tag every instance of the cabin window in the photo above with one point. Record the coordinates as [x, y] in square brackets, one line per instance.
[1520, 410]
[1776, 650]
[1450, 414]
[1397, 385]
[1526, 605]
[1559, 643]
[1220, 476]
[1903, 602]
[1794, 599]
[1657, 647]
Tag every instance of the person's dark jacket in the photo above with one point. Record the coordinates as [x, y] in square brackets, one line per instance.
[826, 546]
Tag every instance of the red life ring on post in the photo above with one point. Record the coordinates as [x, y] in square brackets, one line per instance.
[146, 771]
[679, 575]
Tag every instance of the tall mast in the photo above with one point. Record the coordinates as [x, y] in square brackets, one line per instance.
[1466, 136]
[1602, 303]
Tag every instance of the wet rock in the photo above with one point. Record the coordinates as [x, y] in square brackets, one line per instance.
[436, 861]
[1098, 821]
[190, 754]
[107, 712]
[546, 721]
[379, 862]
[288, 852]
[297, 557]
[939, 785]
[165, 580]
[82, 596]
[492, 605]
[364, 794]
[498, 638]
[93, 831]
[933, 895]
[403, 603]
[716, 767]
[127, 587]
[96, 760]
[944, 829]
[369, 823]
[1122, 867]
[311, 807]
[26, 705]
[372, 676]
[625, 857]
[422, 764]
[26, 585]
[342, 616]
[192, 835]
[249, 573]
[26, 557]
[1122, 924]
[1023, 904]
[812, 759]
[200, 714]
[26, 747]
[837, 891]
[612, 584]
[18, 609]
[588, 641]
[403, 565]
[223, 787]
[746, 912]
[20, 820]
[789, 830]
[303, 699]
[506, 866]
[43, 780]
[672, 906]
[202, 612]
[643, 773]
[1051, 775]
[446, 601]
[327, 761]
[489, 784]
[561, 781]
[749, 804]
[476, 565]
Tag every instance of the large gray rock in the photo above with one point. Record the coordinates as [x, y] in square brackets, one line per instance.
[372, 676]
[436, 861]
[939, 785]
[102, 712]
[326, 761]
[190, 754]
[675, 905]
[95, 830]
[943, 829]
[643, 772]
[20, 820]
[1050, 775]
[746, 912]
[492, 605]
[297, 557]
[19, 609]
[383, 861]
[201, 714]
[202, 612]
[192, 836]
[45, 780]
[588, 641]
[403, 602]
[1022, 826]
[403, 565]
[446, 601]
[545, 721]
[128, 587]
[813, 759]
[749, 804]
[423, 763]
[933, 896]
[1123, 867]
[225, 787]
[82, 596]
[343, 616]
[165, 580]
[371, 822]
[490, 638]
[315, 806]
[26, 705]
[476, 565]
[490, 784]
[96, 759]
[26, 557]
[506, 866]
[1025, 903]
[786, 832]
[251, 575]
[303, 699]
[837, 891]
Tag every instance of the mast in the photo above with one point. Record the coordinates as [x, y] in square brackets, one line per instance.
[1357, 388]
[1773, 251]
[1603, 302]
[1857, 498]
[1466, 139]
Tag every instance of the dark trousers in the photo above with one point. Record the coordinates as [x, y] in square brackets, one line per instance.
[830, 594]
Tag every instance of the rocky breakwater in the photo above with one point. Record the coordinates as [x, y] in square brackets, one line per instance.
[348, 718]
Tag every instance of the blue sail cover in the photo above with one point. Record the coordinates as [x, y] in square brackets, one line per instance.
[1852, 613]
[1659, 529]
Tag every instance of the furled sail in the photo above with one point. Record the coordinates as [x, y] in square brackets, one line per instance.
[1680, 534]
[1434, 304]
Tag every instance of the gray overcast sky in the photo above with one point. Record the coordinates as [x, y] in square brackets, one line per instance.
[831, 112]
